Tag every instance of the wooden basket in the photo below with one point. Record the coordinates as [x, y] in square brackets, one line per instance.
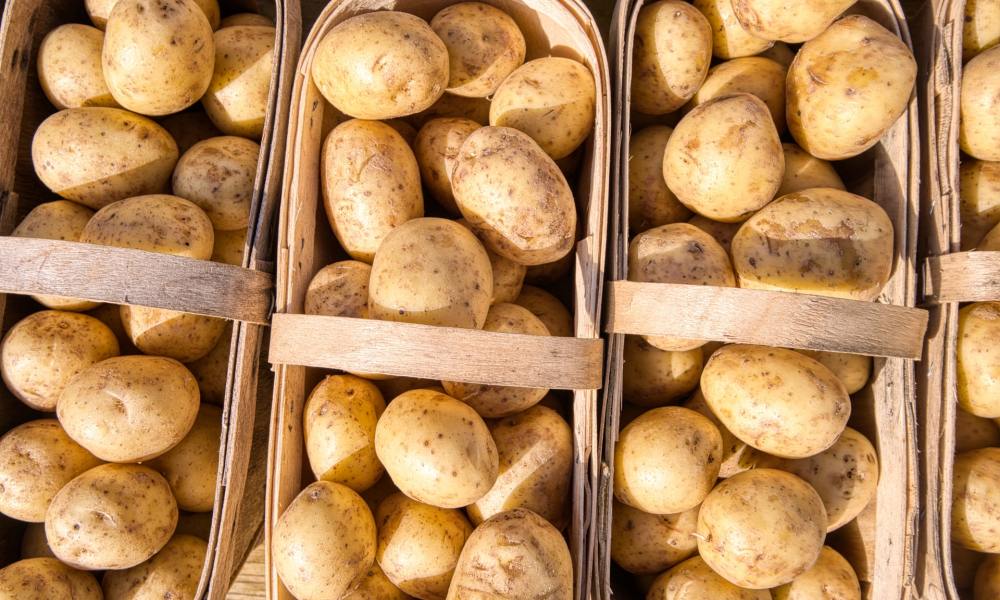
[301, 345]
[880, 543]
[124, 276]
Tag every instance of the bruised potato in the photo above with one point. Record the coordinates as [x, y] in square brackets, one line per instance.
[804, 171]
[436, 148]
[549, 310]
[645, 544]
[978, 363]
[754, 75]
[484, 47]
[173, 573]
[192, 466]
[791, 22]
[236, 98]
[979, 208]
[831, 577]
[652, 377]
[46, 578]
[975, 502]
[69, 67]
[693, 579]
[729, 38]
[650, 201]
[979, 133]
[217, 174]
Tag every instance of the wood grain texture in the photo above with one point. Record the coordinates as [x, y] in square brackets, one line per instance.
[962, 277]
[767, 318]
[249, 582]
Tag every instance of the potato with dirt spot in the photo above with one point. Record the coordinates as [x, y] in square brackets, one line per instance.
[979, 132]
[339, 290]
[645, 544]
[436, 148]
[237, 97]
[804, 171]
[979, 359]
[693, 579]
[218, 174]
[192, 466]
[173, 573]
[979, 207]
[549, 310]
[46, 578]
[69, 67]
[484, 47]
[853, 370]
[975, 502]
[729, 38]
[650, 201]
[652, 377]
[754, 75]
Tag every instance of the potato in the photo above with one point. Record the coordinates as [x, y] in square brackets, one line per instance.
[853, 370]
[517, 537]
[237, 96]
[183, 336]
[736, 455]
[991, 241]
[551, 273]
[642, 543]
[484, 47]
[192, 466]
[980, 200]
[987, 584]
[371, 185]
[549, 310]
[130, 408]
[324, 543]
[650, 201]
[244, 19]
[778, 401]
[847, 87]
[724, 158]
[188, 128]
[975, 511]
[157, 55]
[536, 467]
[229, 246]
[381, 65]
[978, 363]
[43, 351]
[831, 577]
[436, 148]
[979, 134]
[508, 276]
[376, 586]
[678, 253]
[99, 10]
[652, 377]
[33, 542]
[111, 517]
[729, 38]
[405, 525]
[45, 579]
[673, 50]
[760, 77]
[36, 460]
[559, 115]
[780, 53]
[972, 432]
[667, 460]
[449, 282]
[69, 67]
[791, 22]
[722, 232]
[804, 171]
[173, 573]
[96, 156]
[57, 220]
[693, 579]
[981, 29]
[339, 290]
[218, 174]
[532, 218]
[820, 241]
[111, 316]
[455, 107]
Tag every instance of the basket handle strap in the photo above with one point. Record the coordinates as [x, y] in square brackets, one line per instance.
[962, 277]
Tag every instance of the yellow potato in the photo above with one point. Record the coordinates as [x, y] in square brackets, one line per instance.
[243, 19]
[973, 433]
[981, 30]
[237, 96]
[449, 282]
[376, 586]
[979, 208]
[130, 408]
[979, 133]
[722, 232]
[778, 401]
[229, 246]
[559, 115]
[760, 77]
[218, 174]
[693, 579]
[42, 352]
[111, 316]
[978, 364]
[532, 218]
[853, 370]
[804, 171]
[650, 201]
[46, 579]
[791, 22]
[975, 501]
[831, 577]
[549, 310]
[157, 55]
[724, 159]
[652, 377]
[780, 53]
[192, 466]
[736, 455]
[484, 47]
[820, 241]
[508, 276]
[642, 543]
[991, 241]
[183, 336]
[212, 369]
[729, 38]
[34, 544]
[99, 10]
[667, 460]
[69, 67]
[188, 128]
[339, 290]
[847, 87]
[96, 156]
[381, 65]
[673, 44]
[173, 573]
[111, 517]
[436, 148]
[987, 583]
[324, 543]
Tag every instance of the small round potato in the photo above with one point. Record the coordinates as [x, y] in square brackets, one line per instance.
[847, 87]
[820, 241]
[189, 127]
[791, 22]
[831, 577]
[191, 467]
[517, 537]
[736, 455]
[979, 182]
[381, 65]
[549, 310]
[173, 573]
[650, 201]
[245, 19]
[987, 583]
[371, 185]
[975, 503]
[436, 148]
[324, 543]
[536, 467]
[693, 579]
[761, 528]
[237, 96]
[339, 290]
[979, 359]
[973, 433]
[405, 525]
[376, 586]
[212, 369]
[853, 370]
[436, 449]
[157, 55]
[979, 133]
[778, 401]
[980, 31]
[96, 156]
[43, 351]
[729, 38]
[448, 283]
[754, 75]
[69, 67]
[484, 47]
[673, 50]
[36, 460]
[559, 115]
[111, 517]
[100, 10]
[645, 544]
[722, 232]
[229, 246]
[130, 408]
[652, 377]
[724, 159]
[667, 460]
[218, 174]
[46, 579]
[804, 171]
[531, 218]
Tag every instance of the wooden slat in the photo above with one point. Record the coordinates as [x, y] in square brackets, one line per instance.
[429, 352]
[767, 318]
[962, 277]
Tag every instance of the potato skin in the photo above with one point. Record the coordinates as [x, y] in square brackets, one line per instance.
[212, 369]
[791, 22]
[339, 289]
[831, 577]
[436, 149]
[376, 586]
[111, 517]
[979, 208]
[173, 573]
[693, 579]
[981, 29]
[833, 112]
[979, 134]
[484, 46]
[754, 75]
[722, 232]
[69, 67]
[324, 542]
[229, 246]
[409, 65]
[987, 583]
[245, 19]
[46, 578]
[96, 156]
[729, 38]
[645, 544]
[975, 502]
[237, 96]
[972, 432]
[185, 337]
[549, 309]
[652, 377]
[736, 454]
[978, 363]
[217, 174]
[191, 467]
[804, 171]
[99, 10]
[853, 370]
[650, 201]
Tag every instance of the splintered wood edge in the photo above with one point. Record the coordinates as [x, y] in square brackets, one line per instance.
[767, 318]
[962, 277]
[442, 353]
[135, 277]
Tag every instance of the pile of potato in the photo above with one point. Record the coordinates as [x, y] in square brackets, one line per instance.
[120, 475]
[975, 516]
[731, 493]
[442, 174]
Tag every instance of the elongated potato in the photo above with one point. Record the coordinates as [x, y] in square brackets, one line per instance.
[755, 75]
[979, 133]
[436, 148]
[650, 201]
[218, 174]
[645, 544]
[693, 579]
[69, 67]
[484, 47]
[831, 577]
[804, 171]
[729, 38]
[549, 310]
[237, 96]
[192, 466]
[173, 573]
[979, 184]
[978, 362]
[975, 501]
[652, 377]
[339, 290]
[45, 579]
[792, 22]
